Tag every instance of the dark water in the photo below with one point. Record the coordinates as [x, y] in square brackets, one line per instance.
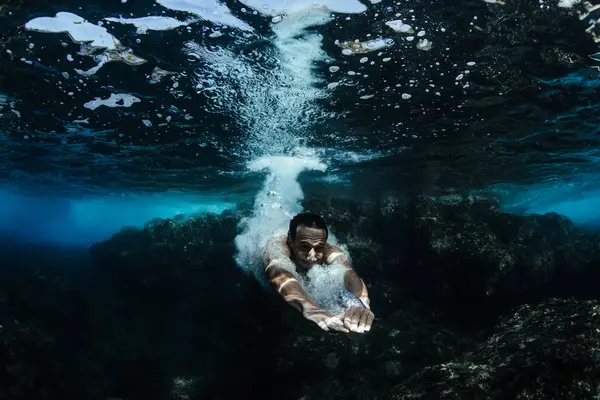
[504, 100]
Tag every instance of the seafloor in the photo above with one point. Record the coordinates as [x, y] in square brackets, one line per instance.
[470, 303]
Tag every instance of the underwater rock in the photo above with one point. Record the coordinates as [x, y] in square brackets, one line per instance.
[174, 288]
[42, 322]
[463, 249]
[355, 366]
[549, 350]
[171, 295]
[466, 247]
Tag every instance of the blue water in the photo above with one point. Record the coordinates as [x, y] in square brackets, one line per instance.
[461, 103]
[84, 221]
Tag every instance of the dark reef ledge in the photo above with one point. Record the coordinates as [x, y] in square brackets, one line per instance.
[470, 303]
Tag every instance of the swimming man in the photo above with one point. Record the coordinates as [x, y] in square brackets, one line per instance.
[304, 246]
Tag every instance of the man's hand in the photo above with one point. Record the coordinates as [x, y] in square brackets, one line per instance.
[325, 320]
[358, 319]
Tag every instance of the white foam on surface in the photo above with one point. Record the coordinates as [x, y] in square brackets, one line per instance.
[274, 206]
[80, 30]
[211, 10]
[278, 7]
[85, 221]
[115, 100]
[151, 23]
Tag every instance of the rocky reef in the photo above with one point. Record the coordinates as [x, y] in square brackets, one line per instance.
[470, 302]
[548, 350]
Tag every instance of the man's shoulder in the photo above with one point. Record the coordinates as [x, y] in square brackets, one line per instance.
[276, 248]
[278, 240]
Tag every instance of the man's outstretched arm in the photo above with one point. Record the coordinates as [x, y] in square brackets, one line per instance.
[356, 319]
[276, 260]
[352, 282]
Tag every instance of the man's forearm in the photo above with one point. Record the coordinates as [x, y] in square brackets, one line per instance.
[355, 285]
[352, 281]
[286, 284]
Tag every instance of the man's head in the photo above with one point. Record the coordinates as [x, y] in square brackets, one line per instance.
[307, 237]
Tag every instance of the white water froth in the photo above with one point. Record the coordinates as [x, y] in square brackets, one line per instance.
[274, 206]
[568, 3]
[324, 285]
[210, 10]
[115, 100]
[276, 107]
[276, 203]
[278, 7]
[152, 23]
[80, 30]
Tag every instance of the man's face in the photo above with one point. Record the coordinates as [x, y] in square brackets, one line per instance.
[309, 245]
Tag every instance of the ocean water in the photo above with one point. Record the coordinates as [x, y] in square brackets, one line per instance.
[113, 114]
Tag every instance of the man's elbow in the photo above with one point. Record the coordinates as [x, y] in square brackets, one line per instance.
[275, 270]
[272, 268]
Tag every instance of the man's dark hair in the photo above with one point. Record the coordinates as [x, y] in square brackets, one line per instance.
[309, 220]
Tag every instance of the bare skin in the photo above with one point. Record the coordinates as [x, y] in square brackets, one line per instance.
[310, 247]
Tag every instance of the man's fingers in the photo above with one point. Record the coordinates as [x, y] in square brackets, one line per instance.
[356, 318]
[337, 324]
[323, 326]
[370, 319]
[348, 317]
[363, 320]
[351, 319]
